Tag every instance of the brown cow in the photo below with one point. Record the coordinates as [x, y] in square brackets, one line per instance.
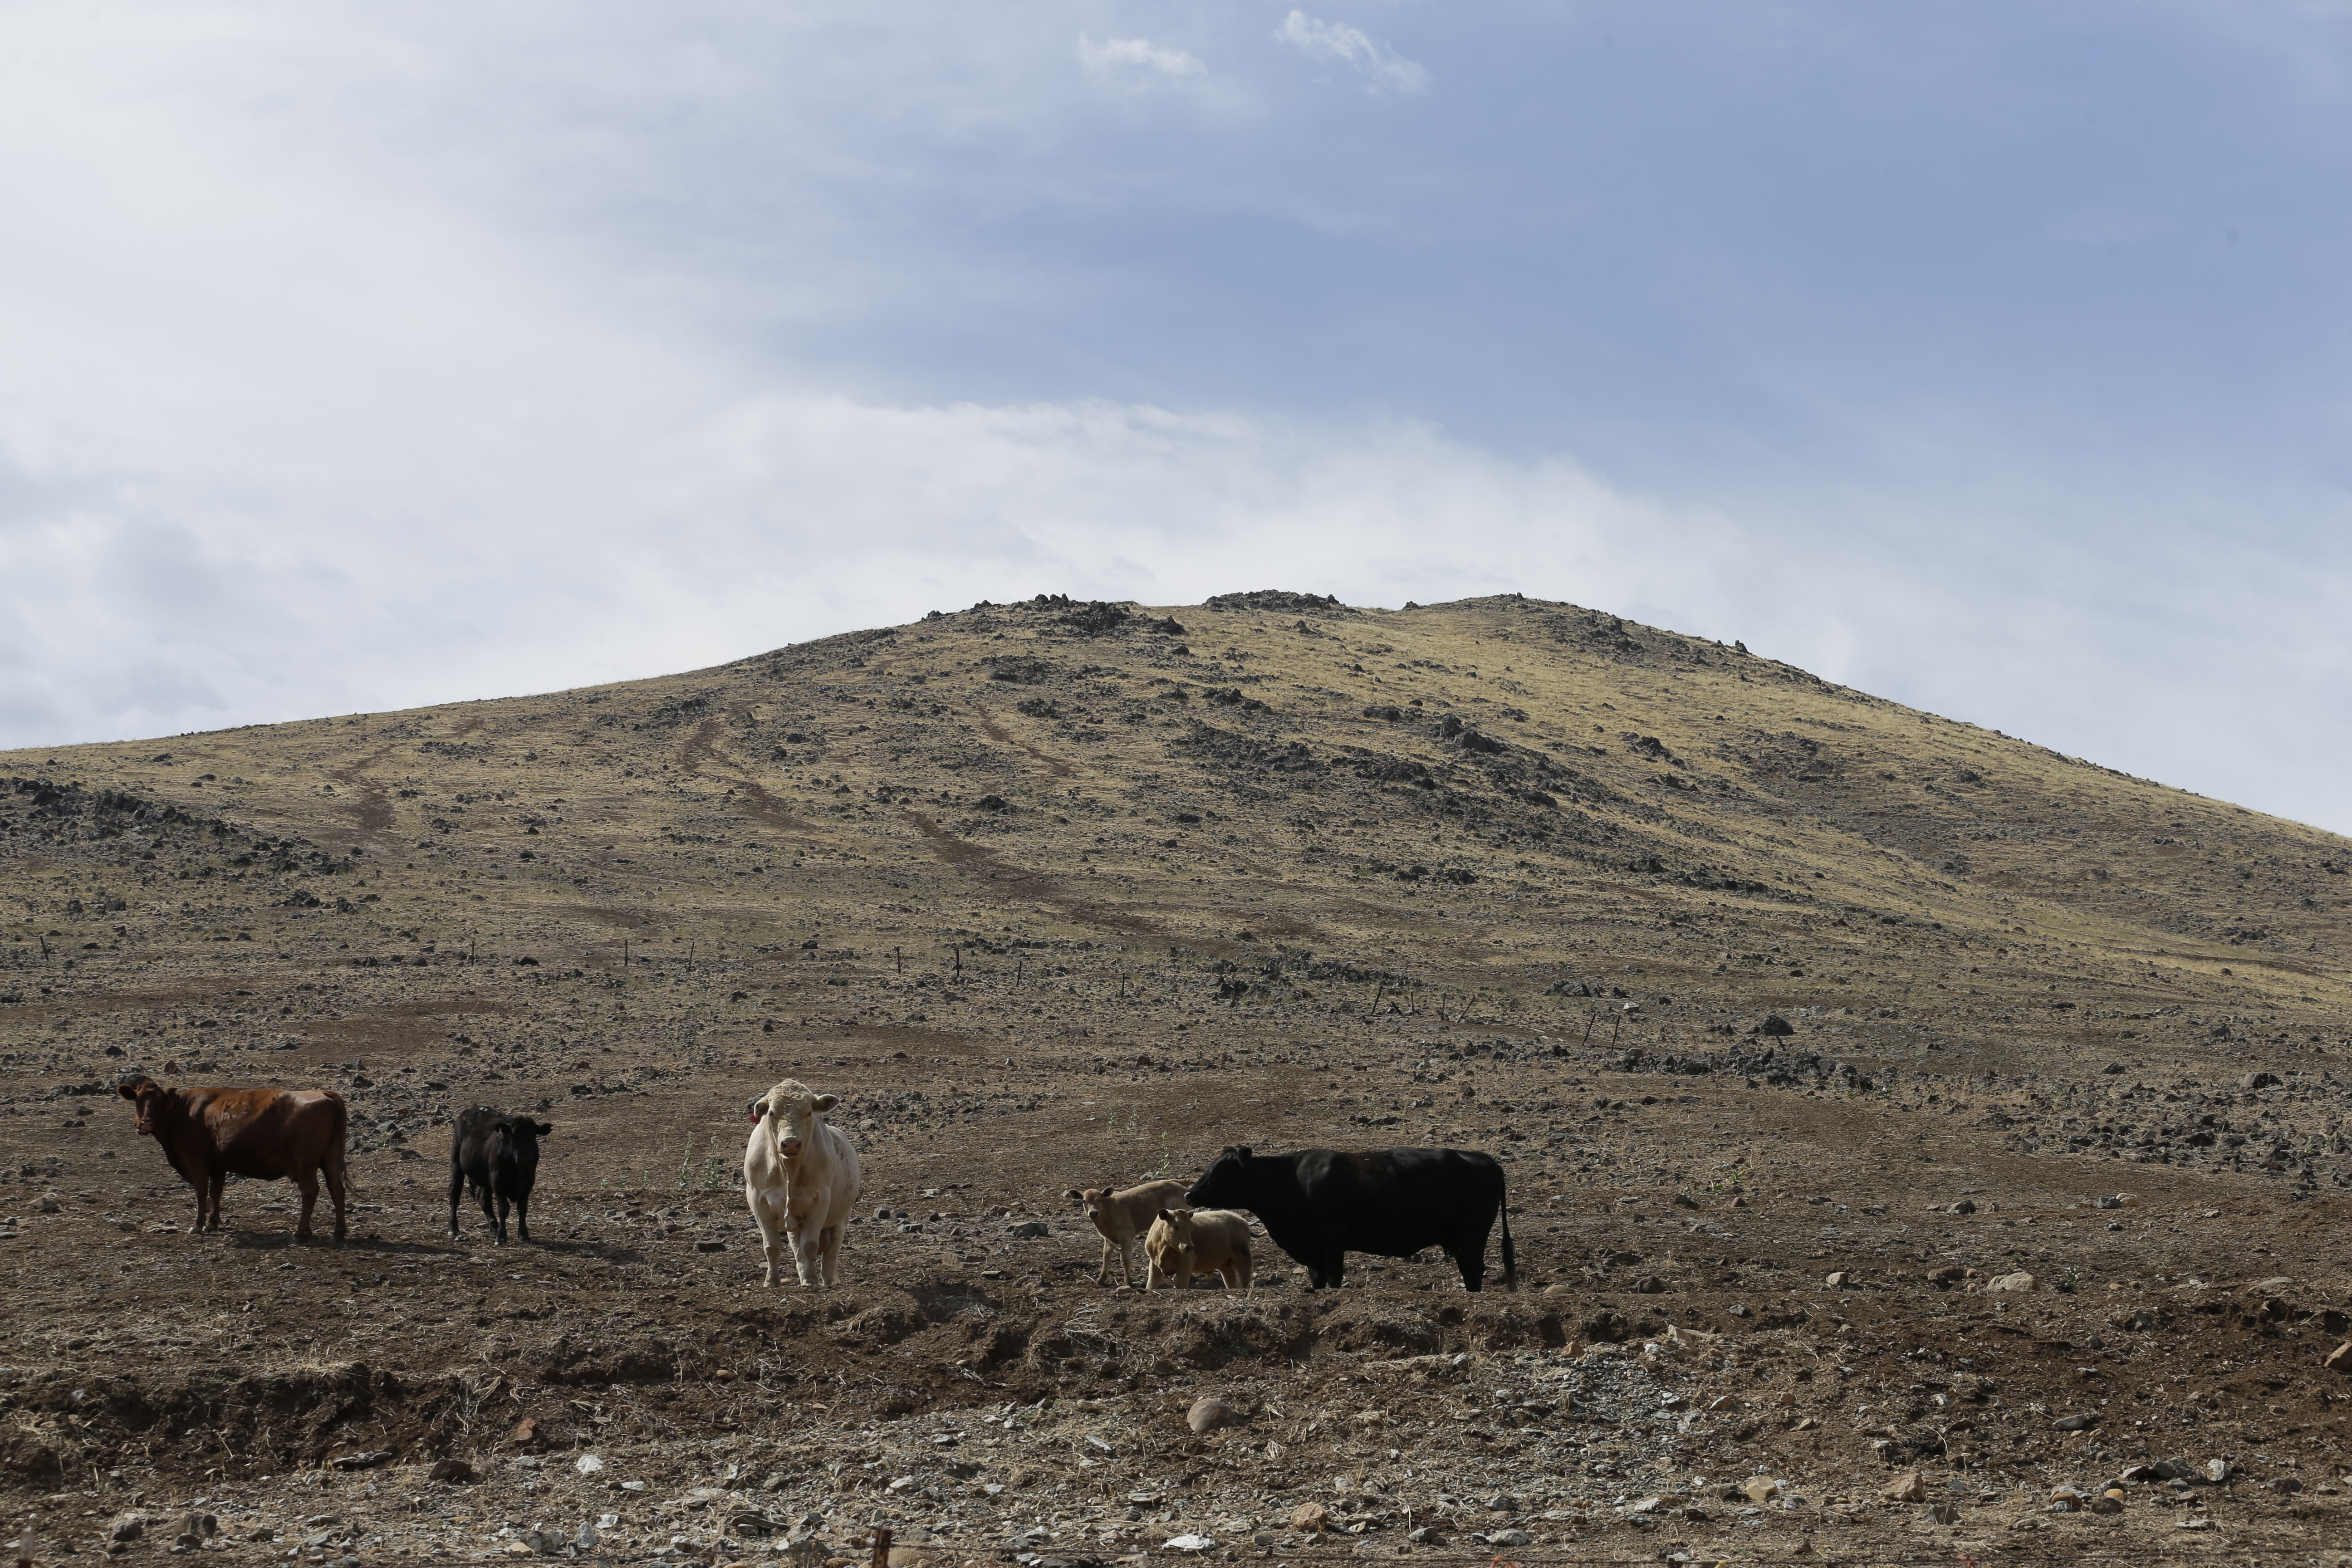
[211, 1135]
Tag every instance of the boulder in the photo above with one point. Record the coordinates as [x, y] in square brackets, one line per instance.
[1906, 1487]
[1310, 1518]
[1210, 1412]
[2019, 1281]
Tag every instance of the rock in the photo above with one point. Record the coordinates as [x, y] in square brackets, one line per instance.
[1760, 1488]
[1905, 1488]
[457, 1471]
[2076, 1422]
[1423, 1535]
[2340, 1358]
[1774, 1024]
[1944, 1513]
[1310, 1517]
[2108, 1502]
[1030, 1230]
[2286, 1486]
[1841, 1280]
[1189, 1543]
[1965, 1205]
[130, 1527]
[2258, 1081]
[2019, 1281]
[586, 1540]
[1210, 1412]
[1502, 1503]
[47, 1204]
[365, 1459]
[526, 1434]
[588, 1464]
[2108, 1202]
[2217, 1469]
[1507, 1538]
[2194, 1524]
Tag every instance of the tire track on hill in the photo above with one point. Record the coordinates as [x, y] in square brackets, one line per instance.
[1015, 882]
[702, 746]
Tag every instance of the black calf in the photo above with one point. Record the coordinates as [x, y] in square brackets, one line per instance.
[499, 1156]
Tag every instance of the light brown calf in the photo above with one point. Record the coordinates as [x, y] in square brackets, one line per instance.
[1123, 1217]
[1184, 1242]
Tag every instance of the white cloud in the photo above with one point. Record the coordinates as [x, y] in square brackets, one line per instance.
[1134, 60]
[1383, 68]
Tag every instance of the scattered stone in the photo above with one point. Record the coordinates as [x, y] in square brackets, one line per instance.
[1210, 1412]
[130, 1527]
[2217, 1469]
[2259, 1081]
[2108, 1502]
[1189, 1543]
[1502, 1503]
[526, 1434]
[1312, 1518]
[365, 1459]
[2078, 1423]
[588, 1464]
[457, 1471]
[1030, 1230]
[1774, 1024]
[1906, 1487]
[1760, 1488]
[1841, 1280]
[1508, 1538]
[2019, 1281]
[2286, 1486]
[1944, 1513]
[1965, 1205]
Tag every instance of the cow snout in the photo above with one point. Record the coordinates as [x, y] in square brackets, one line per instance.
[790, 1146]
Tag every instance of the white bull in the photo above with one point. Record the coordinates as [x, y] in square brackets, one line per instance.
[800, 1176]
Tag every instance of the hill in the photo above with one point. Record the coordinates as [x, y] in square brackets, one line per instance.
[1060, 892]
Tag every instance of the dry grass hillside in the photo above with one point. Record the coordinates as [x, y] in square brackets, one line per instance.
[1752, 979]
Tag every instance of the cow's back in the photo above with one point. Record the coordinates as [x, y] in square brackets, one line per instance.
[1395, 1201]
[267, 1132]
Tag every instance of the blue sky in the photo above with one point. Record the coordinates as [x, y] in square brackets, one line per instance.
[1992, 358]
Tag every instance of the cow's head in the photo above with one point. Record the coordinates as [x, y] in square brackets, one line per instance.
[1090, 1199]
[792, 1112]
[1224, 1184]
[520, 1135]
[150, 1102]
[1179, 1222]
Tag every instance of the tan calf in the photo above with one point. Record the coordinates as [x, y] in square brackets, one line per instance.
[1122, 1218]
[1184, 1242]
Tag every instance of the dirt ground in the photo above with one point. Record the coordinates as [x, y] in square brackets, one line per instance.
[1903, 1123]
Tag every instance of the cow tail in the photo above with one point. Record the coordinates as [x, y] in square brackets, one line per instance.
[1510, 1258]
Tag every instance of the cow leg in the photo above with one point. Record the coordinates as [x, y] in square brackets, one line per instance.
[829, 1243]
[306, 1177]
[523, 1218]
[490, 1212]
[336, 1195]
[504, 1201]
[456, 1192]
[805, 1262]
[1127, 1252]
[219, 1180]
[1102, 1274]
[1472, 1261]
[770, 1243]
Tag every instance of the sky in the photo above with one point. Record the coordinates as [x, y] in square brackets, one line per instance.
[1995, 359]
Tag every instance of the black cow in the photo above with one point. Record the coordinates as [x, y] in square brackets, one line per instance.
[1321, 1205]
[498, 1155]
